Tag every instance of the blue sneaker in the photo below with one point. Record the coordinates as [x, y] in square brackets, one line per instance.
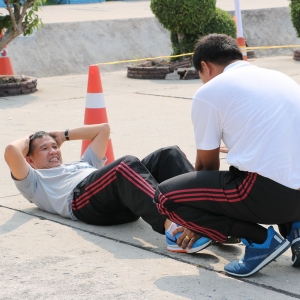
[294, 239]
[258, 255]
[200, 244]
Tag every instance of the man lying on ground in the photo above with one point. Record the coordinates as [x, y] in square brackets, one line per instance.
[90, 191]
[256, 113]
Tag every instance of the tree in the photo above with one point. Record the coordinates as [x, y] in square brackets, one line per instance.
[187, 20]
[183, 16]
[220, 23]
[22, 18]
[295, 13]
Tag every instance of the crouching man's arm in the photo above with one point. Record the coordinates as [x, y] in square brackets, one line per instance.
[97, 133]
[208, 160]
[15, 154]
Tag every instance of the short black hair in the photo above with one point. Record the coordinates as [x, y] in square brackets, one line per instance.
[219, 49]
[36, 135]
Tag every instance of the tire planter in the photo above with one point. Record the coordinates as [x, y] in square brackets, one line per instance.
[26, 85]
[159, 72]
[188, 73]
[148, 72]
[250, 54]
[296, 55]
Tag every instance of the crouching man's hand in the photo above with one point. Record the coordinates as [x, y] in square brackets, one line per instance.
[187, 238]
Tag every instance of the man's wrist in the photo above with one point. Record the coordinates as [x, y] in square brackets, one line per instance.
[66, 133]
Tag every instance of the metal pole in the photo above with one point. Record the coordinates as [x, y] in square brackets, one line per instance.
[238, 16]
[240, 34]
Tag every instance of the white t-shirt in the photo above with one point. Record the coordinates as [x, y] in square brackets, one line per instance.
[52, 189]
[256, 113]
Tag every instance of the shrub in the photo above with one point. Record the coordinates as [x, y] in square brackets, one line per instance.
[183, 16]
[221, 23]
[295, 13]
[187, 44]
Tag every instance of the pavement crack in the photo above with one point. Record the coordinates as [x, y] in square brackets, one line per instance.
[165, 96]
[153, 250]
[13, 195]
[64, 99]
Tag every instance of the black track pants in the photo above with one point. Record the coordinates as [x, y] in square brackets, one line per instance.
[210, 202]
[123, 190]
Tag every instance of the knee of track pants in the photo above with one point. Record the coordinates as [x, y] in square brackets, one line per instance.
[130, 158]
[171, 150]
[159, 201]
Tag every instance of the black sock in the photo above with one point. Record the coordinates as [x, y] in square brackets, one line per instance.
[285, 229]
[249, 231]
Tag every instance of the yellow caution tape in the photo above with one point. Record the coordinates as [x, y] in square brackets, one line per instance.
[189, 54]
[272, 47]
[141, 59]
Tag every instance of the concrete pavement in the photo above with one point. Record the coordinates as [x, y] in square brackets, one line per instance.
[48, 257]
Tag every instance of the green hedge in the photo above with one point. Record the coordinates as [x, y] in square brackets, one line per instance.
[184, 16]
[221, 23]
[295, 13]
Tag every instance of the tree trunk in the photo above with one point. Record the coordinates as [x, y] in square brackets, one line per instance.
[8, 37]
[181, 36]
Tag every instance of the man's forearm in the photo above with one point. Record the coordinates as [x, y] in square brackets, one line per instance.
[207, 160]
[15, 154]
[20, 145]
[98, 134]
[87, 132]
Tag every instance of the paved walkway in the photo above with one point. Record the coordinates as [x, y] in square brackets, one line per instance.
[44, 256]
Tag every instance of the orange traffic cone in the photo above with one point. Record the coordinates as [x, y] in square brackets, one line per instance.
[241, 42]
[95, 111]
[5, 64]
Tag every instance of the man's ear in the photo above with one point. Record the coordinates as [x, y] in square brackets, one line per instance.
[208, 67]
[204, 66]
[29, 160]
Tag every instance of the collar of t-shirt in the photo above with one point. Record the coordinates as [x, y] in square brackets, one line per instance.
[237, 64]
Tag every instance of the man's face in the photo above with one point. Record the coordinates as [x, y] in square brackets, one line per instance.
[46, 154]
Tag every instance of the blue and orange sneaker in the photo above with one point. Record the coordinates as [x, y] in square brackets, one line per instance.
[258, 256]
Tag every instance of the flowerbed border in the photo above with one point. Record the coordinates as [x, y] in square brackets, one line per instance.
[22, 88]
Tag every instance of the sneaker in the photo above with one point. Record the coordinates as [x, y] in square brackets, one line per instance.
[200, 244]
[258, 255]
[294, 239]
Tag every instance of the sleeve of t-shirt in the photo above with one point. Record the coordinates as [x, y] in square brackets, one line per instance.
[27, 186]
[206, 123]
[90, 157]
